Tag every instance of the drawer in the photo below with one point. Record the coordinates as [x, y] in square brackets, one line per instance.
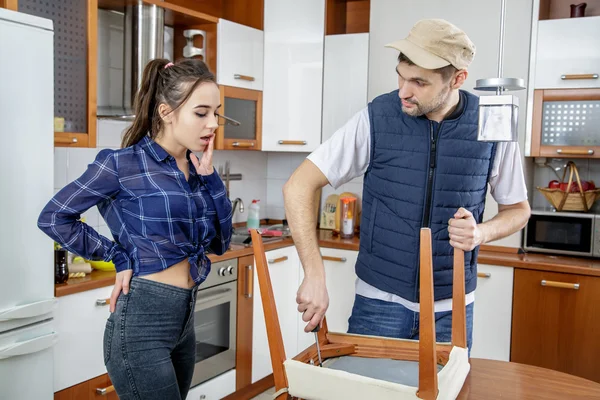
[568, 53]
[80, 320]
[214, 389]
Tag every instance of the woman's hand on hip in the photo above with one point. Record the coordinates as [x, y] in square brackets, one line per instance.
[204, 166]
[121, 283]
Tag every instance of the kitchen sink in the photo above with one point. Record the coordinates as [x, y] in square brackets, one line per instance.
[241, 237]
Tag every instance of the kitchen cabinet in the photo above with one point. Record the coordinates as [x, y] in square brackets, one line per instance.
[568, 53]
[492, 312]
[284, 267]
[80, 320]
[565, 123]
[239, 56]
[245, 107]
[554, 322]
[96, 388]
[75, 55]
[214, 389]
[340, 278]
[245, 313]
[293, 75]
[346, 60]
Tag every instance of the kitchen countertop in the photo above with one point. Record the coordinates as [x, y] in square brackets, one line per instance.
[493, 255]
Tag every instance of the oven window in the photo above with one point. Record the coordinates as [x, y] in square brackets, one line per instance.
[243, 111]
[560, 233]
[212, 331]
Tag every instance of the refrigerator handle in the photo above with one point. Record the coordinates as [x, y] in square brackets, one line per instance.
[29, 310]
[29, 346]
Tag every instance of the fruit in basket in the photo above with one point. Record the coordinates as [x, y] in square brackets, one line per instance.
[585, 185]
[554, 184]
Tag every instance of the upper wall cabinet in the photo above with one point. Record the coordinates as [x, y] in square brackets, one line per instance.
[239, 56]
[568, 53]
[75, 55]
[293, 74]
[345, 76]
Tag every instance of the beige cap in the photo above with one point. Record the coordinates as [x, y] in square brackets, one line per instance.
[436, 43]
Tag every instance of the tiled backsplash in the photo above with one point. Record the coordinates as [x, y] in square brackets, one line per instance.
[263, 174]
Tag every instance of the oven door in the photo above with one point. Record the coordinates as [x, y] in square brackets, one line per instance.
[215, 329]
[560, 234]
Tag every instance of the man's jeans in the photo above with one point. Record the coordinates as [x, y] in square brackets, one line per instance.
[381, 318]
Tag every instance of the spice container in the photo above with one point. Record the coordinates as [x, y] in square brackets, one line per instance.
[347, 216]
[61, 268]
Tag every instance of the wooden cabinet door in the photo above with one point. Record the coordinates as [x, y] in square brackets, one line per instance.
[97, 388]
[245, 314]
[555, 322]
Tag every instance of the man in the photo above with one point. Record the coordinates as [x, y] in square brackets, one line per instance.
[423, 167]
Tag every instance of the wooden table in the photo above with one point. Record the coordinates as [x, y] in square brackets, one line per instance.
[491, 380]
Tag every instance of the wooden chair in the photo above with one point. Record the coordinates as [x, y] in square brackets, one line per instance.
[302, 376]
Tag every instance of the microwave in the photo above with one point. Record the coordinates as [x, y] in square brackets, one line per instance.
[566, 233]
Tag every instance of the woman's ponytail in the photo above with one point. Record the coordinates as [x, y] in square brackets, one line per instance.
[145, 103]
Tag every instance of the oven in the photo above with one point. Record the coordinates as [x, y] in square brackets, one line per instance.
[215, 322]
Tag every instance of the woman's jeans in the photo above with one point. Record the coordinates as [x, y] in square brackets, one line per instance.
[381, 318]
[149, 342]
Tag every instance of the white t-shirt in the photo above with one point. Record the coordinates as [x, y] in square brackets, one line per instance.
[346, 155]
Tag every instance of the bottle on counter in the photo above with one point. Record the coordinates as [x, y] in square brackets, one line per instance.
[61, 267]
[253, 221]
[347, 216]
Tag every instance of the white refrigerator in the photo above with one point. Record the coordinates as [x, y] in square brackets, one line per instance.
[26, 184]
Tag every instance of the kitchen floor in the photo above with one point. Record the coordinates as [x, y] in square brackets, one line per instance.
[268, 395]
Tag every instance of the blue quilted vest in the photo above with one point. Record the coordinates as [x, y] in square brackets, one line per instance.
[420, 173]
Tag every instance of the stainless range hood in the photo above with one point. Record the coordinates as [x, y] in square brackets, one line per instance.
[143, 41]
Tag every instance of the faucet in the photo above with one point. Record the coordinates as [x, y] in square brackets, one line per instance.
[235, 205]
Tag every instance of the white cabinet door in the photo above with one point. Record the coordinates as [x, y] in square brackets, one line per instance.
[340, 276]
[214, 389]
[293, 75]
[283, 270]
[569, 46]
[80, 322]
[345, 77]
[492, 314]
[240, 55]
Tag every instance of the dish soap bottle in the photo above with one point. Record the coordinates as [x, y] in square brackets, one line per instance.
[253, 215]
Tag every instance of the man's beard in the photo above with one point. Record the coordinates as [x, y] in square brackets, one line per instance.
[425, 108]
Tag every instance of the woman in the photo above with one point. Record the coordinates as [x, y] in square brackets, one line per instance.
[165, 208]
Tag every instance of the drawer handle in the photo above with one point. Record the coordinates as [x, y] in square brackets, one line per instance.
[243, 77]
[105, 391]
[298, 142]
[249, 282]
[578, 76]
[276, 260]
[243, 144]
[336, 259]
[575, 152]
[484, 275]
[102, 302]
[66, 140]
[562, 285]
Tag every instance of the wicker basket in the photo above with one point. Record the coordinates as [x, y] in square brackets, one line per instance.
[567, 201]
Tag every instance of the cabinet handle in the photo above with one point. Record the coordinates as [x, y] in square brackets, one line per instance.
[484, 275]
[298, 142]
[249, 282]
[105, 391]
[65, 140]
[243, 77]
[575, 152]
[276, 260]
[562, 285]
[102, 302]
[579, 76]
[336, 259]
[243, 144]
